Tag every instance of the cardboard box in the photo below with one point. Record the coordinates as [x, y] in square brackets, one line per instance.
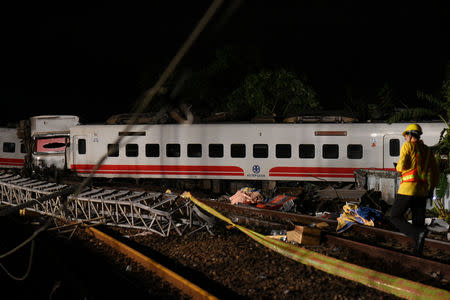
[304, 235]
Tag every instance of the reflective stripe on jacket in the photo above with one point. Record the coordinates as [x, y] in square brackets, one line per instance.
[422, 161]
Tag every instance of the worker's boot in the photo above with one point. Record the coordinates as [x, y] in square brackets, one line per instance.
[420, 241]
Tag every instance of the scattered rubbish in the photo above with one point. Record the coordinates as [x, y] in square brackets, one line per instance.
[304, 235]
[436, 275]
[251, 196]
[280, 202]
[247, 195]
[436, 225]
[353, 214]
[327, 215]
[278, 232]
[278, 235]
[343, 194]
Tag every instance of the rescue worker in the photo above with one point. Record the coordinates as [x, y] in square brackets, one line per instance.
[419, 176]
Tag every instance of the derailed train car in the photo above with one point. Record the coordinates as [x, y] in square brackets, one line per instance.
[262, 152]
[51, 137]
[12, 150]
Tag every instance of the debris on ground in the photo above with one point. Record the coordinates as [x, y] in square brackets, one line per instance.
[280, 202]
[247, 195]
[251, 196]
[353, 214]
[436, 225]
[345, 194]
[305, 235]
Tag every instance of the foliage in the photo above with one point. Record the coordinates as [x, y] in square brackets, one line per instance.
[441, 189]
[440, 105]
[274, 93]
[358, 107]
[377, 107]
[206, 88]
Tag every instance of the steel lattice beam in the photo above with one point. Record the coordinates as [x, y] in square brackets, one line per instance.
[156, 212]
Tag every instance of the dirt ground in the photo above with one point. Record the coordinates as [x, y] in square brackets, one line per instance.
[232, 264]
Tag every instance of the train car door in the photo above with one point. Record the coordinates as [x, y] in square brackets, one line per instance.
[391, 150]
[79, 153]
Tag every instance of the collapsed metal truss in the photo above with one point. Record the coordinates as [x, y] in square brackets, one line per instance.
[155, 212]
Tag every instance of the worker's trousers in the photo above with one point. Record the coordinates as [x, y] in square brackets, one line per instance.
[418, 209]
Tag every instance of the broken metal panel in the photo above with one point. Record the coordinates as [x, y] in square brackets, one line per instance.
[57, 124]
[48, 160]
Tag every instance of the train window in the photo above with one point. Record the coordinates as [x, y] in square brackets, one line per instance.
[9, 147]
[22, 148]
[330, 151]
[215, 150]
[306, 150]
[237, 150]
[173, 150]
[113, 150]
[283, 151]
[82, 146]
[394, 147]
[354, 151]
[260, 150]
[131, 150]
[194, 150]
[152, 150]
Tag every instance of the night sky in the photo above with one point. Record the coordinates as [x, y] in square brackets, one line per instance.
[95, 60]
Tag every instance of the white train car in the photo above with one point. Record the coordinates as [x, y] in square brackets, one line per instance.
[12, 150]
[274, 152]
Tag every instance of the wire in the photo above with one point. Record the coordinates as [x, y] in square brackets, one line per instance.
[30, 261]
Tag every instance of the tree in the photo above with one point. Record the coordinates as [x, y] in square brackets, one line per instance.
[206, 88]
[275, 93]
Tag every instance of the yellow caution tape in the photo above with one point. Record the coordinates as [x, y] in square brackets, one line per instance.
[384, 282]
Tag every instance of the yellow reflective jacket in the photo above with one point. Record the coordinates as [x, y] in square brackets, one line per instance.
[419, 169]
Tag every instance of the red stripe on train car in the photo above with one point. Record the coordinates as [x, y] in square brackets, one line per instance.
[310, 175]
[161, 169]
[317, 171]
[165, 173]
[323, 170]
[11, 161]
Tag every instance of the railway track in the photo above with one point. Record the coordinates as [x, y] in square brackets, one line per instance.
[376, 243]
[20, 189]
[260, 216]
[185, 287]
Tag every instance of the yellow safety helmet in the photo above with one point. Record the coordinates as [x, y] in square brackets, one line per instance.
[414, 129]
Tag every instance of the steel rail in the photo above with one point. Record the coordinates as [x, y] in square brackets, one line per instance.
[166, 274]
[409, 262]
[285, 217]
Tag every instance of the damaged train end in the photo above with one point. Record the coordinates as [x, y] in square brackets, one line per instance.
[51, 141]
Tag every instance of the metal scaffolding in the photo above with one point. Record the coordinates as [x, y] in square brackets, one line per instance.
[156, 212]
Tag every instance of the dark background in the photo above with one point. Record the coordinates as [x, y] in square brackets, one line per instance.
[95, 59]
